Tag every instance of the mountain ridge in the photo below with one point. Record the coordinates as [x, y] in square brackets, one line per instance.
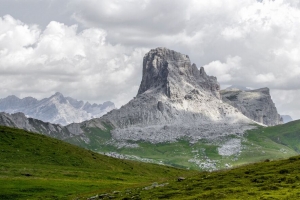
[55, 109]
[256, 104]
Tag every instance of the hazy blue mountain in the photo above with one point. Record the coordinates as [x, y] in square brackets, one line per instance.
[286, 118]
[55, 109]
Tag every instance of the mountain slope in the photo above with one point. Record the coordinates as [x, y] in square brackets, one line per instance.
[265, 180]
[55, 109]
[34, 166]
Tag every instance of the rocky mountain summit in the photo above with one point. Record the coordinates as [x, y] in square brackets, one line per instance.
[255, 104]
[55, 109]
[175, 100]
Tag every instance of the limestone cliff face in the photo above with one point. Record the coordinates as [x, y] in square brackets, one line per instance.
[255, 104]
[171, 73]
[175, 99]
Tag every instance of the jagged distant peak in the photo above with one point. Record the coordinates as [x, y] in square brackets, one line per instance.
[55, 109]
[57, 95]
[12, 97]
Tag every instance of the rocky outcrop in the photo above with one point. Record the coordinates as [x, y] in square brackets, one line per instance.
[55, 109]
[172, 74]
[255, 104]
[175, 100]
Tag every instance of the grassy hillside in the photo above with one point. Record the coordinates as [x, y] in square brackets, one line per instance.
[266, 180]
[286, 134]
[34, 166]
[275, 142]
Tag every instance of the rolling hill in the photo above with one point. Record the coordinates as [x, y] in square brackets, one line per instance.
[35, 166]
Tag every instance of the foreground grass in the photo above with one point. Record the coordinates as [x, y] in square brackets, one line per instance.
[266, 180]
[34, 166]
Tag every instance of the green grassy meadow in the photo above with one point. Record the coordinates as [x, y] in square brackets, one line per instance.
[33, 166]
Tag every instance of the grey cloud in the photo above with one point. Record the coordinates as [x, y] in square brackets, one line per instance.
[251, 43]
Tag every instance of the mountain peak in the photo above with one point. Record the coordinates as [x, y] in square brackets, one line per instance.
[55, 109]
[58, 94]
[172, 74]
[12, 97]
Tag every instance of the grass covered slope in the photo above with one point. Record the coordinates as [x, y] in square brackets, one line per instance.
[266, 180]
[34, 166]
[286, 134]
[277, 142]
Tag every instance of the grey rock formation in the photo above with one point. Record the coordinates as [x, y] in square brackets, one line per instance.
[55, 109]
[171, 73]
[175, 100]
[255, 104]
[286, 118]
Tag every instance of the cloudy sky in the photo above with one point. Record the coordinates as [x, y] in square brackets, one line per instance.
[92, 49]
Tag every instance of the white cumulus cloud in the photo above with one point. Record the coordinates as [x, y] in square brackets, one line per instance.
[79, 64]
[250, 42]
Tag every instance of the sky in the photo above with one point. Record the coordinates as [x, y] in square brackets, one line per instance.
[92, 50]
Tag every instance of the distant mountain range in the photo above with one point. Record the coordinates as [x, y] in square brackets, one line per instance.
[55, 109]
